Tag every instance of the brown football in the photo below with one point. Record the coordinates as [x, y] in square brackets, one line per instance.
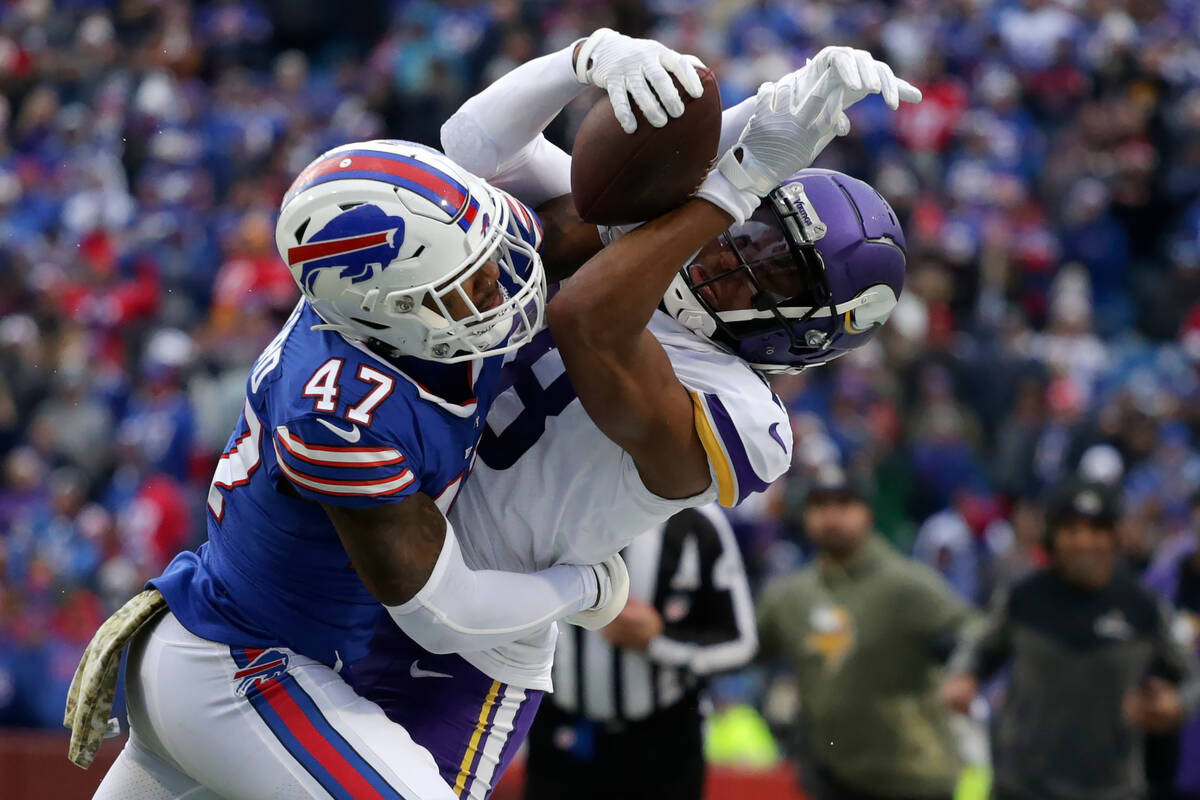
[618, 178]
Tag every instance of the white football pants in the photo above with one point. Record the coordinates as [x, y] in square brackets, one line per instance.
[209, 721]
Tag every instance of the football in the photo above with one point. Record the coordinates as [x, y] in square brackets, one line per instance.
[618, 178]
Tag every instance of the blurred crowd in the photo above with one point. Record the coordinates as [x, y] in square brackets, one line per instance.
[1049, 187]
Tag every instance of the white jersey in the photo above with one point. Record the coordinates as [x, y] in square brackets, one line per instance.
[549, 488]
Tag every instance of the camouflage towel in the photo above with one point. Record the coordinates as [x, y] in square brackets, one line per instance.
[90, 698]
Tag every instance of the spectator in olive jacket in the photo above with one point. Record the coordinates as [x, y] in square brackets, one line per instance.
[866, 631]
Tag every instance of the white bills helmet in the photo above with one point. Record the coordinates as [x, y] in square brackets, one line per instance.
[378, 235]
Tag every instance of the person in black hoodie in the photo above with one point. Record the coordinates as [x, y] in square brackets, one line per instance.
[1093, 665]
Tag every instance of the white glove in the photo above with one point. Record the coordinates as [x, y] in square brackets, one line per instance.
[613, 579]
[862, 75]
[793, 120]
[786, 133]
[623, 66]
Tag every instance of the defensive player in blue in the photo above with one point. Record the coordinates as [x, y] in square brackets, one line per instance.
[358, 428]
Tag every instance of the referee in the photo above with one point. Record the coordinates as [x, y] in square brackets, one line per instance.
[624, 719]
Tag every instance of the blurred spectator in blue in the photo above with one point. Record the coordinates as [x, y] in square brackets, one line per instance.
[160, 420]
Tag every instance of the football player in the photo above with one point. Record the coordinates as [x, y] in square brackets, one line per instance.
[647, 394]
[358, 430]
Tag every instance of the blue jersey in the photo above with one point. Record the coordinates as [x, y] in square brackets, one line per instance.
[325, 421]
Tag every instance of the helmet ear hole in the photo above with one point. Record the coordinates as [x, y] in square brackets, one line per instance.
[300, 229]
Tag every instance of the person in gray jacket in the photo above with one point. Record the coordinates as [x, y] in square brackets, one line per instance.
[1094, 665]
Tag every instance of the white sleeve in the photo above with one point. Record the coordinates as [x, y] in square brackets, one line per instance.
[539, 172]
[460, 609]
[497, 134]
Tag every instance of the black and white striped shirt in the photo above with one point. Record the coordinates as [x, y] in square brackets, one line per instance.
[690, 570]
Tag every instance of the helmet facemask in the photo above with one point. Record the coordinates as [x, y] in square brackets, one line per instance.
[782, 277]
[517, 316]
[426, 309]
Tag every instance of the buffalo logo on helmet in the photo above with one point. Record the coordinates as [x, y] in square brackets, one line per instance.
[357, 241]
[266, 665]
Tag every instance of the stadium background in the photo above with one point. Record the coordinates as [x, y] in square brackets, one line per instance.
[1049, 187]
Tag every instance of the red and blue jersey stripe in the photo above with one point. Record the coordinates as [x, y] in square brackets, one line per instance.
[425, 180]
[321, 466]
[298, 723]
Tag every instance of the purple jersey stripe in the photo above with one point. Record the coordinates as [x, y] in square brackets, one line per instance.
[748, 481]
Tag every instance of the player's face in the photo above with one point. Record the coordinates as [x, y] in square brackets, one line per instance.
[483, 287]
[731, 287]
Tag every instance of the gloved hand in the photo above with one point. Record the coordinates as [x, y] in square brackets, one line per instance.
[791, 124]
[613, 579]
[794, 119]
[623, 66]
[861, 75]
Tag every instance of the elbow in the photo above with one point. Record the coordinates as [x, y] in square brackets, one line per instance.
[387, 590]
[562, 315]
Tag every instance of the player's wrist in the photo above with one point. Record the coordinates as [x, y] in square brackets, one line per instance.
[612, 582]
[603, 588]
[575, 48]
[732, 194]
[581, 53]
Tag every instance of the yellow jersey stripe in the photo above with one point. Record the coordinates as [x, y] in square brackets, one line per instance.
[464, 769]
[726, 483]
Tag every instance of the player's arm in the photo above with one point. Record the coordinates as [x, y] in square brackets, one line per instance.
[408, 558]
[406, 554]
[619, 370]
[568, 240]
[497, 134]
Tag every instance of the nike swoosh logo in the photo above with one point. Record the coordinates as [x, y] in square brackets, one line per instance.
[417, 672]
[774, 431]
[351, 436]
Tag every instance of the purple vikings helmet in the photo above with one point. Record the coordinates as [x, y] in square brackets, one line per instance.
[811, 275]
